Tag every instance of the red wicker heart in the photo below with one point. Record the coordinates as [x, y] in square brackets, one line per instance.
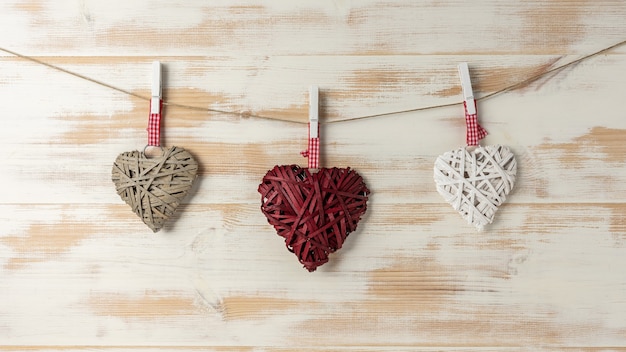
[313, 212]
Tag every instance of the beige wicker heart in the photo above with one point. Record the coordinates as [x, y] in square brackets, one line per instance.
[476, 182]
[154, 187]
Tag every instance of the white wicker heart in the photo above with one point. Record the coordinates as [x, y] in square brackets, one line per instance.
[476, 182]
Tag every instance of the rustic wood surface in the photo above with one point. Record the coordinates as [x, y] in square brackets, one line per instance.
[80, 272]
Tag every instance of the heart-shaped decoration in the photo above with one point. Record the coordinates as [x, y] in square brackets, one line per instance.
[476, 182]
[154, 187]
[313, 212]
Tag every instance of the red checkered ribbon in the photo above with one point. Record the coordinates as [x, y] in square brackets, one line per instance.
[475, 132]
[154, 127]
[313, 153]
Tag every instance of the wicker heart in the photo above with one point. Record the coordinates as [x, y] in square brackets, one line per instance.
[316, 212]
[476, 182]
[154, 187]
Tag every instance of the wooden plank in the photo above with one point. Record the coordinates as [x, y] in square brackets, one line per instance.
[324, 27]
[416, 281]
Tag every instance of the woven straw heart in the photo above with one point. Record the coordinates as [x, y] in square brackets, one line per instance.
[476, 182]
[315, 213]
[154, 187]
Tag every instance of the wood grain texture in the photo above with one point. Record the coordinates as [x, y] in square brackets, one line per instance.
[80, 272]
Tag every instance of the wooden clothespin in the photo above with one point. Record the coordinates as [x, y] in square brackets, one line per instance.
[313, 150]
[154, 121]
[474, 131]
[155, 100]
[314, 112]
[466, 84]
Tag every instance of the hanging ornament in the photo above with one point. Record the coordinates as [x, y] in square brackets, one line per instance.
[475, 180]
[313, 211]
[154, 186]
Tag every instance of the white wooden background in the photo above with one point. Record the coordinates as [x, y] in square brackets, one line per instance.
[79, 271]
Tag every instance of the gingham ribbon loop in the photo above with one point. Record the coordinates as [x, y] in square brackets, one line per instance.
[313, 153]
[154, 127]
[475, 132]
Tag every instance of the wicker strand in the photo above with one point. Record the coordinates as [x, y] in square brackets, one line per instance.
[476, 182]
[154, 187]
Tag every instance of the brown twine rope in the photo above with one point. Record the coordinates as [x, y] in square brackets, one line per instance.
[198, 108]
